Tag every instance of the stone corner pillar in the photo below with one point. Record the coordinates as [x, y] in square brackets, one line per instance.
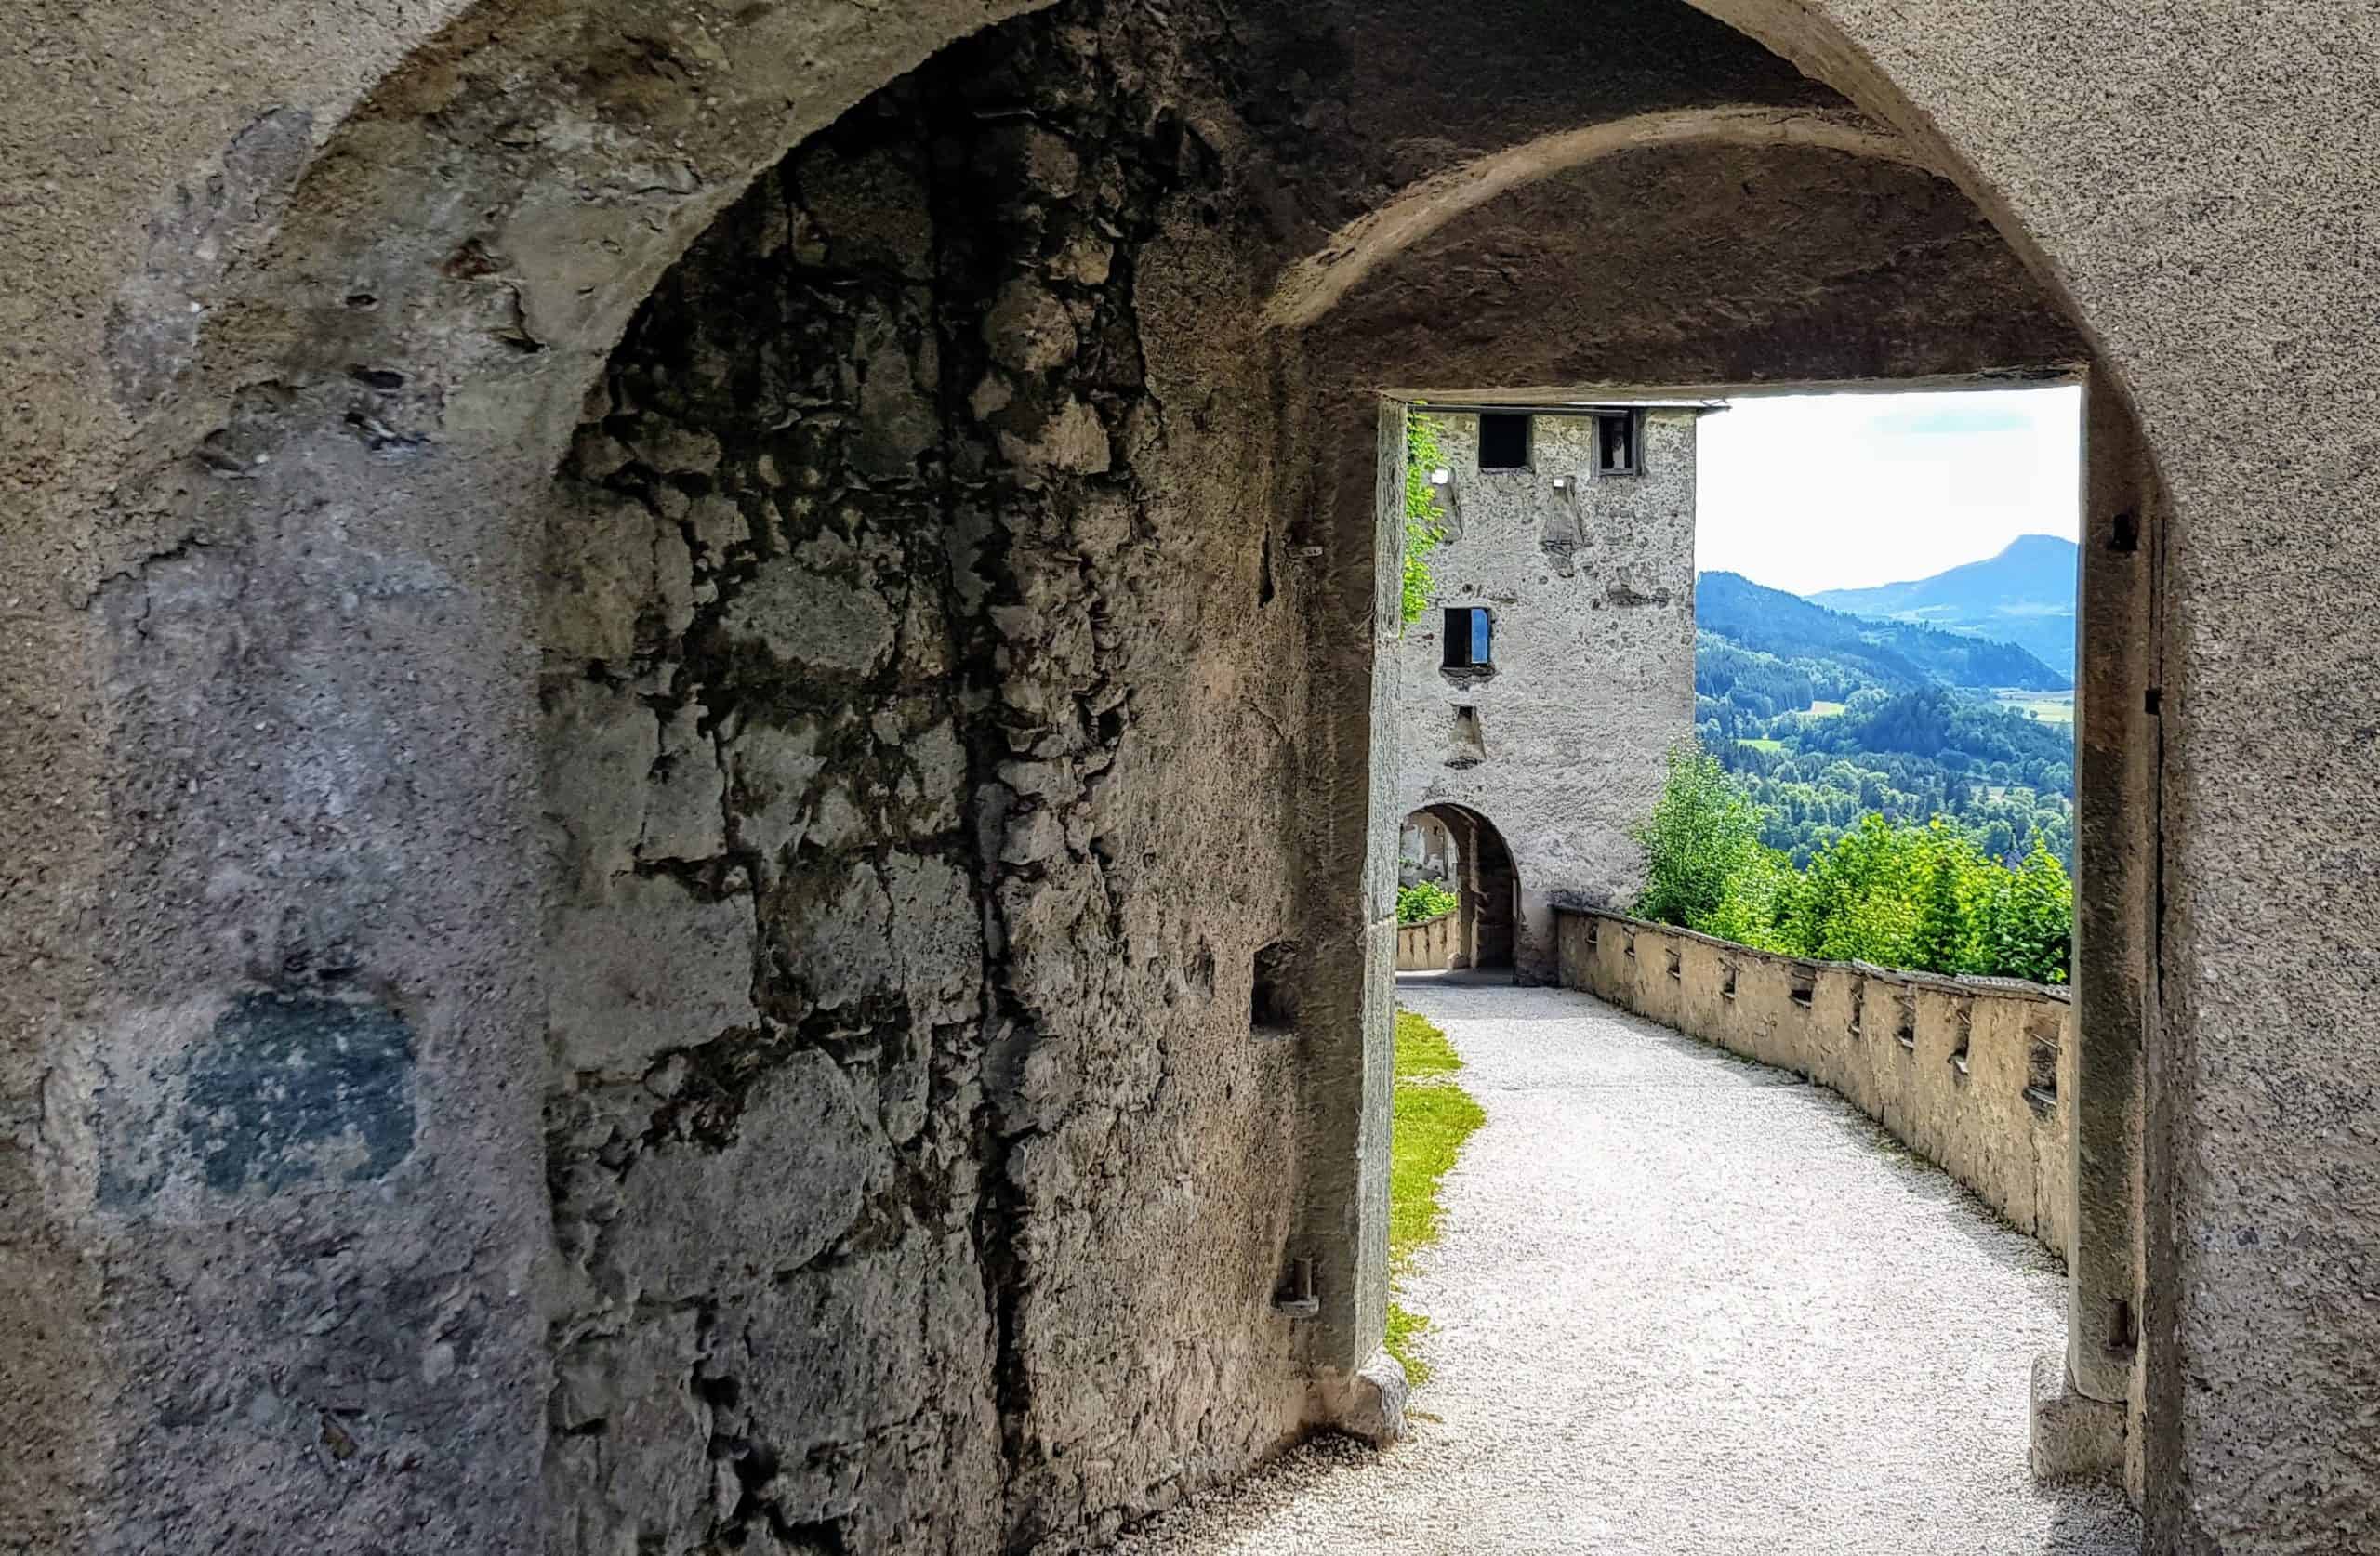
[2075, 1437]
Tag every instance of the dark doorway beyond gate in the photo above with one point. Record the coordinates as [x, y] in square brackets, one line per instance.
[1460, 850]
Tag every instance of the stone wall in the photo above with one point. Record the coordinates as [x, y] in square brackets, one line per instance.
[1972, 1073]
[1589, 587]
[867, 579]
[1427, 946]
[301, 301]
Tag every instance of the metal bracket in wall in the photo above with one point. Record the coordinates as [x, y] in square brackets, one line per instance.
[1299, 1300]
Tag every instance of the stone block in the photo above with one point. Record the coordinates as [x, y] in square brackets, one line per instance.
[1370, 1403]
[696, 1217]
[649, 968]
[826, 623]
[2074, 1436]
[683, 816]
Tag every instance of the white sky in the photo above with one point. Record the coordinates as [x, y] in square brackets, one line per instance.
[1816, 492]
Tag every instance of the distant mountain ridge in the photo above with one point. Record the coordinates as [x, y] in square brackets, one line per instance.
[1901, 656]
[2023, 596]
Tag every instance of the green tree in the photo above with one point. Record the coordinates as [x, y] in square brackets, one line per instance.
[1424, 452]
[1858, 899]
[1952, 919]
[1705, 867]
[1927, 897]
[2032, 929]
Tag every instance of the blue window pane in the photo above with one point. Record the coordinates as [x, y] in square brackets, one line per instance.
[1479, 635]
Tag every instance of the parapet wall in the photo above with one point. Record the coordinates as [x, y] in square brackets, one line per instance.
[1972, 1073]
[1428, 945]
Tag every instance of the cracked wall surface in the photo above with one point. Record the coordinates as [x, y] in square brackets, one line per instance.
[915, 1175]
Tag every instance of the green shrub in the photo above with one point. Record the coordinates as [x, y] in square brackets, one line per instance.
[1424, 899]
[1705, 867]
[1926, 898]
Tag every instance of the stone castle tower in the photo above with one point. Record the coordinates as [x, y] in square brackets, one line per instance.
[1539, 693]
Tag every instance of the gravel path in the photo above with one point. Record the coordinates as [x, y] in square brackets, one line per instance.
[1685, 1303]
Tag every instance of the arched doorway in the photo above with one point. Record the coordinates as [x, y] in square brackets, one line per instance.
[1462, 849]
[372, 445]
[894, 706]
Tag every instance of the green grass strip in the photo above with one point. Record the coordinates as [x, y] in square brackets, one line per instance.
[1434, 1117]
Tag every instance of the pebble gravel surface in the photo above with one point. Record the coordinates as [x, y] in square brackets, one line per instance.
[1684, 1303]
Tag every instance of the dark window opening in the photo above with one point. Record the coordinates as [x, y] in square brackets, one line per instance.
[1503, 441]
[2041, 1065]
[1470, 639]
[1617, 444]
[1272, 996]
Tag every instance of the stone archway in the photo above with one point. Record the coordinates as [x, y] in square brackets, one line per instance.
[1485, 877]
[1103, 446]
[298, 553]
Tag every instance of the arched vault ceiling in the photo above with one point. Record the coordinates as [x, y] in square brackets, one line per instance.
[1313, 285]
[1700, 263]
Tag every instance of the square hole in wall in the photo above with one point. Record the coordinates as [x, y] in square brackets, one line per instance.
[1503, 441]
[1272, 992]
[1469, 741]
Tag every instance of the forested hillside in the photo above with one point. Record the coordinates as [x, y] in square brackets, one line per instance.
[1823, 719]
[1898, 655]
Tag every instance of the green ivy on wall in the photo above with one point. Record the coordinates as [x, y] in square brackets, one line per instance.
[1424, 452]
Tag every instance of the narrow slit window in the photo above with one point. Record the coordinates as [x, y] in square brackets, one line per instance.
[1503, 441]
[1470, 741]
[1618, 441]
[2040, 1064]
[1470, 639]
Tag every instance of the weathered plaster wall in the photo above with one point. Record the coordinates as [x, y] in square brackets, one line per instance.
[1591, 591]
[1952, 1067]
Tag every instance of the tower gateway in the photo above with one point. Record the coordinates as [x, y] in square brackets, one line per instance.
[1541, 690]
